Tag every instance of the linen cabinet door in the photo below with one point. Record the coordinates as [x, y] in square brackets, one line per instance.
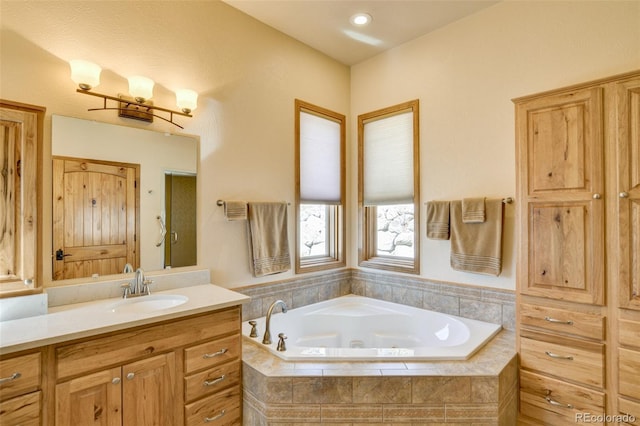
[560, 174]
[94, 399]
[628, 170]
[149, 392]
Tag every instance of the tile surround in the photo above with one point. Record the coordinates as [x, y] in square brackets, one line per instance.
[480, 391]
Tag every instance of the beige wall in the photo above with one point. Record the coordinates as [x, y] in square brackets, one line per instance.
[465, 76]
[248, 74]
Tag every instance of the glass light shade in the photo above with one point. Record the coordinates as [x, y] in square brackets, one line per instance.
[141, 88]
[187, 100]
[84, 73]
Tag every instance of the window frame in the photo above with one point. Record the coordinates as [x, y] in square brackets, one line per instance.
[367, 215]
[336, 213]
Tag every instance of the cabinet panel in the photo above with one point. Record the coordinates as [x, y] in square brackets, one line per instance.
[90, 400]
[629, 372]
[563, 321]
[217, 410]
[631, 411]
[555, 402]
[22, 410]
[148, 391]
[19, 375]
[628, 134]
[574, 360]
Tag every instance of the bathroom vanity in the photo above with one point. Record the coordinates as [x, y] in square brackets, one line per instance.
[123, 362]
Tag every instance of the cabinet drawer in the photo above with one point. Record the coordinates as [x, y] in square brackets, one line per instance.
[563, 321]
[555, 402]
[22, 410]
[117, 348]
[578, 361]
[629, 372]
[212, 353]
[630, 411]
[222, 408]
[19, 375]
[212, 380]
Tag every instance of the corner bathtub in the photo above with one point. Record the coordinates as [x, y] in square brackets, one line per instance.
[359, 328]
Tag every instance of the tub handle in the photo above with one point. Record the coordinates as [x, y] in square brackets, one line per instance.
[281, 346]
[215, 354]
[214, 381]
[254, 329]
[557, 321]
[214, 418]
[556, 356]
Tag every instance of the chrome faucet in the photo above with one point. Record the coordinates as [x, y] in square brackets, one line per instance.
[140, 286]
[266, 340]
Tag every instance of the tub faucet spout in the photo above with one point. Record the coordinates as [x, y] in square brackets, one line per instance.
[266, 340]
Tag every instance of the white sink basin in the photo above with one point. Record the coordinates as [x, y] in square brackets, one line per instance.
[147, 304]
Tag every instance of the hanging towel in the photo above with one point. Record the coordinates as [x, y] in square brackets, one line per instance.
[477, 247]
[268, 240]
[473, 210]
[438, 220]
[235, 210]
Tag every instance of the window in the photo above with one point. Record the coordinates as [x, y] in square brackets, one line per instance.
[320, 188]
[388, 188]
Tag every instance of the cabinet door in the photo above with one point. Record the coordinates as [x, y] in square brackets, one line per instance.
[93, 400]
[561, 204]
[149, 394]
[628, 134]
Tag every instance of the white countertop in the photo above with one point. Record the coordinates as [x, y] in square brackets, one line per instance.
[70, 322]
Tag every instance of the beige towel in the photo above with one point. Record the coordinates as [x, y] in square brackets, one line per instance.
[473, 210]
[235, 210]
[268, 240]
[477, 247]
[438, 220]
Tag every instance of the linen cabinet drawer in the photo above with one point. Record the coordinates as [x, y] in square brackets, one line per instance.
[212, 380]
[19, 375]
[563, 321]
[629, 332]
[630, 411]
[212, 353]
[555, 402]
[580, 361]
[22, 410]
[629, 372]
[219, 409]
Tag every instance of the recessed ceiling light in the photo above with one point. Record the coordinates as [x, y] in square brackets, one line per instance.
[360, 19]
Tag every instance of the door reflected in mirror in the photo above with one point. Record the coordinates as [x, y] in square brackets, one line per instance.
[118, 187]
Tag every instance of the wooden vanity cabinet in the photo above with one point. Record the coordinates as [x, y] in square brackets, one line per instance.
[21, 389]
[153, 375]
[578, 161]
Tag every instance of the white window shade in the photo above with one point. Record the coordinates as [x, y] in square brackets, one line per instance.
[388, 160]
[319, 159]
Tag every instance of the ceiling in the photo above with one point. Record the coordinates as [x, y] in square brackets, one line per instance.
[325, 26]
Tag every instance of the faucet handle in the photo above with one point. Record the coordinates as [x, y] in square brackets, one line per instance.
[126, 289]
[145, 286]
[281, 346]
[254, 328]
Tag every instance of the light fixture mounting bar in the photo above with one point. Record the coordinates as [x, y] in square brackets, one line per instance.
[150, 109]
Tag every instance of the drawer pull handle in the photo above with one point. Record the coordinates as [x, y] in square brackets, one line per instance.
[215, 354]
[214, 381]
[556, 356]
[557, 321]
[214, 418]
[556, 403]
[11, 378]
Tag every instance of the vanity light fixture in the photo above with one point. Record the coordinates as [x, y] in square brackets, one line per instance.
[138, 106]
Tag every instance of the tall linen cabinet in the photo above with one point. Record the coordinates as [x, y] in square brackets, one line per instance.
[578, 277]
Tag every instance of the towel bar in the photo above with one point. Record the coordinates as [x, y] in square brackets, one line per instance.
[508, 200]
[220, 203]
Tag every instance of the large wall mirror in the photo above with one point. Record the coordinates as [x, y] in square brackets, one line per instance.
[122, 197]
